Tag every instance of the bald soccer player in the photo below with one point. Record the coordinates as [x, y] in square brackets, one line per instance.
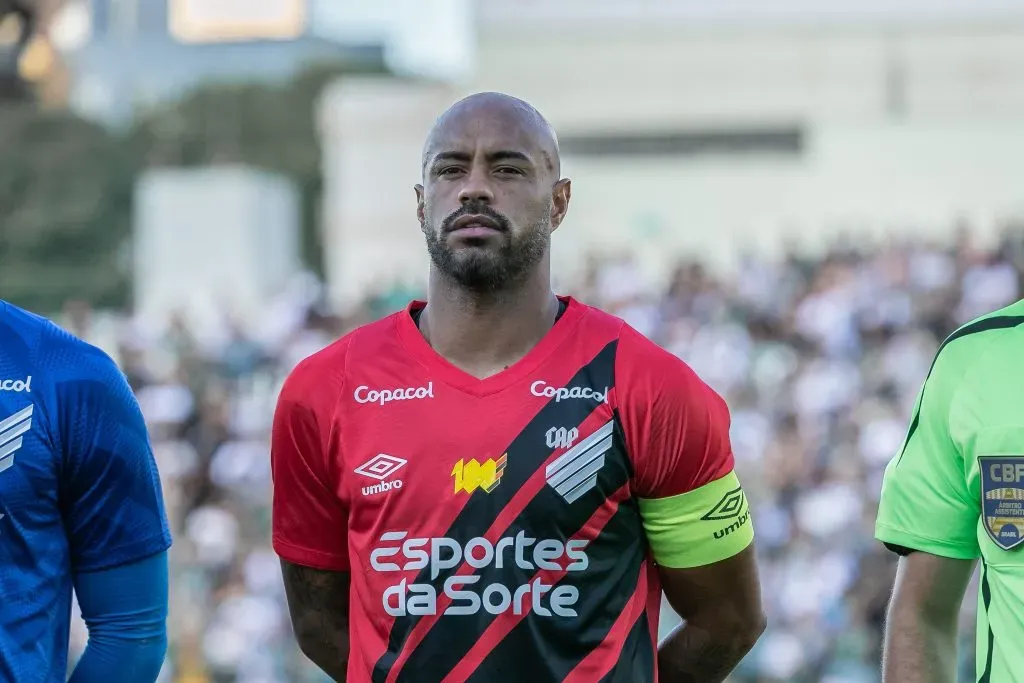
[496, 484]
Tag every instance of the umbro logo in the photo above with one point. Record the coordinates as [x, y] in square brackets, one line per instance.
[728, 507]
[381, 467]
[733, 507]
[12, 432]
[575, 472]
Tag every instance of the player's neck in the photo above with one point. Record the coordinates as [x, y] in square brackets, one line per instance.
[484, 333]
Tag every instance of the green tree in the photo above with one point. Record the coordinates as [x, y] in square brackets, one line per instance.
[66, 184]
[65, 209]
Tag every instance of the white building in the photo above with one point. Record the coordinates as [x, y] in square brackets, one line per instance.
[707, 128]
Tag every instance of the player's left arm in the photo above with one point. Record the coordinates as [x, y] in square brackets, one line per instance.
[695, 514]
[721, 606]
[125, 610]
[112, 504]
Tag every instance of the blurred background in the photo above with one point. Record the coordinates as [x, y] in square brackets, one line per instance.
[801, 199]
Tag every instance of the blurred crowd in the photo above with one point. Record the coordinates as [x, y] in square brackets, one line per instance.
[819, 358]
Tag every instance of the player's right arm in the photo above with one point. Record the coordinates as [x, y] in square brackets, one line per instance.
[927, 515]
[310, 522]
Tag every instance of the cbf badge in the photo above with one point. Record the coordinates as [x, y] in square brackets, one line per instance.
[1002, 498]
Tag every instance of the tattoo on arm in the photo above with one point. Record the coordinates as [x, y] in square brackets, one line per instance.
[318, 601]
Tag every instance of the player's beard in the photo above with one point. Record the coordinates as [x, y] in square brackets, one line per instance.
[488, 269]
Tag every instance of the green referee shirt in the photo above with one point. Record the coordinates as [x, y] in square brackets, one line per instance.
[956, 489]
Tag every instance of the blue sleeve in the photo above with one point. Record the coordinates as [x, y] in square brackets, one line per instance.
[125, 610]
[110, 494]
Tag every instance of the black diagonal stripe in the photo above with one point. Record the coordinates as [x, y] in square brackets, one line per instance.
[997, 322]
[546, 516]
[636, 662]
[986, 597]
[525, 454]
[545, 648]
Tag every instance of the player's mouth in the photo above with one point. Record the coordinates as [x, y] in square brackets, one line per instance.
[475, 225]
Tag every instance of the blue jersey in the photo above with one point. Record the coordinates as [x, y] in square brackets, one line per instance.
[79, 490]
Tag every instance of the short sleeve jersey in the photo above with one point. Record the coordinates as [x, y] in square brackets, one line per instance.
[504, 528]
[79, 490]
[956, 488]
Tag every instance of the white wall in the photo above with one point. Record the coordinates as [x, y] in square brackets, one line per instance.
[854, 178]
[373, 132]
[666, 74]
[212, 240]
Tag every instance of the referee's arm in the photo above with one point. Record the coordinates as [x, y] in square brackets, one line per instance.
[921, 629]
[928, 517]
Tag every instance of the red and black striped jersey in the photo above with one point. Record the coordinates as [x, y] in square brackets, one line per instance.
[494, 528]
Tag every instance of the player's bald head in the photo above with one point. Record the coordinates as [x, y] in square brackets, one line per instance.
[492, 160]
[497, 120]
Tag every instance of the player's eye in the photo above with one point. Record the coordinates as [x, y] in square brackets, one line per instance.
[508, 170]
[448, 171]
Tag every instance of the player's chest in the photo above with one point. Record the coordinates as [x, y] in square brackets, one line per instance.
[436, 460]
[27, 465]
[988, 429]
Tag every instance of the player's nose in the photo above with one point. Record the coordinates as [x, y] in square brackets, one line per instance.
[476, 188]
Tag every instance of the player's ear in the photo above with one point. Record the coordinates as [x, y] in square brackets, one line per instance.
[560, 196]
[419, 203]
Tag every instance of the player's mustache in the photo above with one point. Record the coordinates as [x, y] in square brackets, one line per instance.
[476, 209]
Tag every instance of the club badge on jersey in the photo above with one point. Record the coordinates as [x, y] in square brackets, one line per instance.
[1002, 498]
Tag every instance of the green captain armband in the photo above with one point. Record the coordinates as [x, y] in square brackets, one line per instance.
[699, 527]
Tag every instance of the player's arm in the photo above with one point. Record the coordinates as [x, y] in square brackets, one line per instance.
[115, 523]
[318, 604]
[928, 516]
[125, 610]
[695, 515]
[310, 522]
[921, 627]
[721, 605]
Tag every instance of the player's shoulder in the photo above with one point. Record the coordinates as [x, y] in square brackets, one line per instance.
[999, 324]
[644, 369]
[635, 351]
[982, 340]
[322, 374]
[50, 352]
[17, 324]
